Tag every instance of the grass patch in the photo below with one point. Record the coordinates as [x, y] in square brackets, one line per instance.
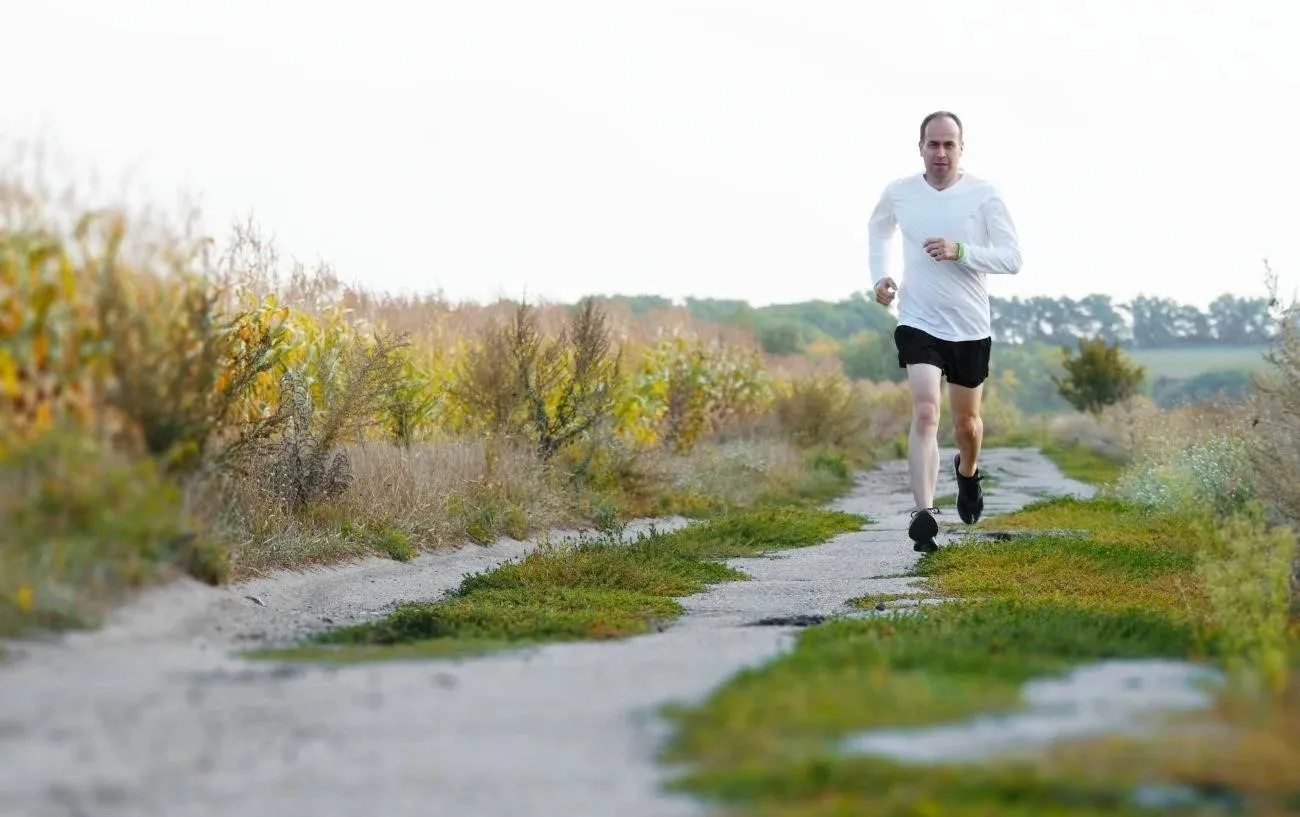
[1084, 464]
[1076, 460]
[343, 654]
[870, 601]
[1127, 560]
[1131, 584]
[596, 587]
[770, 735]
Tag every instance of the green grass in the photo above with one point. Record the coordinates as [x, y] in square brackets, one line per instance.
[1075, 461]
[594, 588]
[770, 735]
[767, 742]
[1082, 463]
[366, 653]
[1128, 558]
[869, 602]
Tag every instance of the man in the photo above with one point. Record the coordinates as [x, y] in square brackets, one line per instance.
[956, 230]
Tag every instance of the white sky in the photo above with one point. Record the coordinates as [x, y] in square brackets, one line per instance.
[724, 149]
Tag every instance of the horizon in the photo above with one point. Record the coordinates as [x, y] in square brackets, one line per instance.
[719, 150]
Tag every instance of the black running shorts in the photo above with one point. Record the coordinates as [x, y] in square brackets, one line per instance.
[965, 362]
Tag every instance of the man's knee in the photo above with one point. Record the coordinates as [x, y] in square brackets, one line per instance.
[925, 413]
[966, 425]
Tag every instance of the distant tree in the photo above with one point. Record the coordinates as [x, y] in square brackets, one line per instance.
[872, 356]
[1099, 376]
[781, 338]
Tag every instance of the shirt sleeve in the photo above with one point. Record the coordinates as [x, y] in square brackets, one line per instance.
[1001, 256]
[880, 236]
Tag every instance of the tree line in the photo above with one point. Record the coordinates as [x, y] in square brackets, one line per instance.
[1145, 322]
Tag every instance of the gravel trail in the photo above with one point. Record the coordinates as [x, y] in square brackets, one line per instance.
[156, 714]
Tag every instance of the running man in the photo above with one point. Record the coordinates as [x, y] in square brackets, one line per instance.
[956, 230]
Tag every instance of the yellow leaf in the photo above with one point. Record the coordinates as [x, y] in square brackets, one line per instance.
[24, 598]
[44, 416]
[8, 374]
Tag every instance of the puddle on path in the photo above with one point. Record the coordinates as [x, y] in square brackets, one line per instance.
[1106, 698]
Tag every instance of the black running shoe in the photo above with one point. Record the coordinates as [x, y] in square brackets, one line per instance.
[970, 496]
[923, 530]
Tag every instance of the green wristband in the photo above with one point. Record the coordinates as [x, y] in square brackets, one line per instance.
[961, 251]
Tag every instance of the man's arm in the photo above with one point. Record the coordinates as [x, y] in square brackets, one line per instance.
[880, 236]
[1002, 255]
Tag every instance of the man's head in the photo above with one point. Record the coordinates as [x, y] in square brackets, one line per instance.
[941, 143]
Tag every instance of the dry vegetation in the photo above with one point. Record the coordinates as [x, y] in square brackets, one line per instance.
[167, 404]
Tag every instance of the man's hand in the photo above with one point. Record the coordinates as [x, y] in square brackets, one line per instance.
[941, 249]
[886, 290]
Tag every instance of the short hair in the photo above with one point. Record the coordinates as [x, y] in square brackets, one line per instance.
[939, 115]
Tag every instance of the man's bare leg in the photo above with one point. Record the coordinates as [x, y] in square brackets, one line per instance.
[968, 428]
[923, 438]
[967, 424]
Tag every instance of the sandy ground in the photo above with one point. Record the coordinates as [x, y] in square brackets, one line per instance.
[156, 713]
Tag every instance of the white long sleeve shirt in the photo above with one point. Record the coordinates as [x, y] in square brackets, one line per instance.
[948, 299]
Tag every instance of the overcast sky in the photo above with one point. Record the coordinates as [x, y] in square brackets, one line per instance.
[725, 149]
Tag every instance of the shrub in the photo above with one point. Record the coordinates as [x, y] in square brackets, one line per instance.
[825, 410]
[1209, 475]
[1245, 569]
[1099, 376]
[555, 388]
[1275, 449]
[305, 465]
[80, 524]
[686, 389]
[180, 365]
[569, 383]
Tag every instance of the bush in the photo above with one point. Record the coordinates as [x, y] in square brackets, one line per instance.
[179, 362]
[1099, 376]
[1191, 460]
[1275, 452]
[824, 410]
[1274, 447]
[557, 389]
[1246, 572]
[872, 356]
[80, 524]
[305, 466]
[686, 389]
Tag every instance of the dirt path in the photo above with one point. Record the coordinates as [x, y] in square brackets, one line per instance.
[154, 715]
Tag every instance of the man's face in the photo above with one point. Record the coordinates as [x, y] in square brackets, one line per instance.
[941, 147]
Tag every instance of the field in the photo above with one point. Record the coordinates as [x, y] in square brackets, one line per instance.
[1181, 363]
